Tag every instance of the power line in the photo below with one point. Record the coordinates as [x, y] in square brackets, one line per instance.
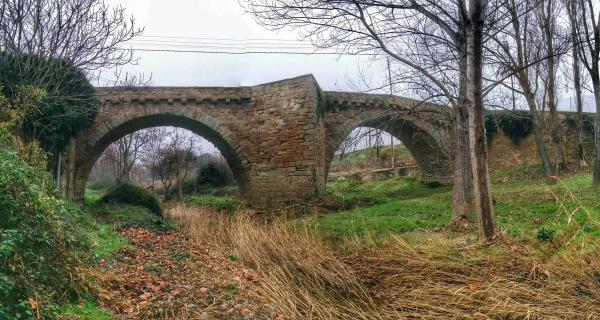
[217, 46]
[252, 52]
[221, 43]
[222, 39]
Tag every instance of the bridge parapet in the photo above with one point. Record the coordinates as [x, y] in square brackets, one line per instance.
[209, 95]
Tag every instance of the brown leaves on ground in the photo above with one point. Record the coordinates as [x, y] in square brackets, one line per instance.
[165, 276]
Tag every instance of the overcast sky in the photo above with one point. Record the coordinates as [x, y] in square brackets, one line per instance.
[221, 25]
[171, 24]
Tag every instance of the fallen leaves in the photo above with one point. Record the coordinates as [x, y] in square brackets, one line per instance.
[163, 275]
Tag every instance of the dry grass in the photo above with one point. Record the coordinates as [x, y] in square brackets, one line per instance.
[298, 273]
[440, 277]
[506, 281]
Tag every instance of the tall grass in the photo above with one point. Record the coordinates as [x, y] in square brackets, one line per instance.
[445, 276]
[299, 276]
[466, 281]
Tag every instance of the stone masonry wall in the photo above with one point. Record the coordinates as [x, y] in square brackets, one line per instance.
[279, 138]
[269, 133]
[504, 153]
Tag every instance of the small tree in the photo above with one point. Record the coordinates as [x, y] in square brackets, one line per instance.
[175, 160]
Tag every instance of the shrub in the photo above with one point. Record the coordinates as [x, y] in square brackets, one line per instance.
[68, 107]
[214, 174]
[36, 236]
[128, 216]
[545, 234]
[134, 195]
[587, 121]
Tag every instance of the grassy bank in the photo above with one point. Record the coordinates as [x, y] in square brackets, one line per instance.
[525, 208]
[101, 226]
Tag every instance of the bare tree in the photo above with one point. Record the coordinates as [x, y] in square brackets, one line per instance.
[477, 137]
[429, 39]
[88, 34]
[128, 151]
[517, 52]
[572, 9]
[588, 35]
[554, 44]
[176, 158]
[587, 16]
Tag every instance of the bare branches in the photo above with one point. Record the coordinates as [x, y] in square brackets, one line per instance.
[87, 34]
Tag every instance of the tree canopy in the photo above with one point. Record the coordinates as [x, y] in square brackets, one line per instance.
[68, 106]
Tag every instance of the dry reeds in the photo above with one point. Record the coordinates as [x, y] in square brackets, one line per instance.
[298, 273]
[508, 281]
[441, 278]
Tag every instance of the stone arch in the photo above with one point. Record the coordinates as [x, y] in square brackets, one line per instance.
[87, 153]
[423, 140]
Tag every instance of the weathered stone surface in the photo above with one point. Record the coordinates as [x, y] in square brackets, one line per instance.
[279, 138]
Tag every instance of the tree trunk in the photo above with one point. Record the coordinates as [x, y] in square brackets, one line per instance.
[581, 158]
[537, 129]
[477, 138]
[551, 91]
[596, 83]
[461, 199]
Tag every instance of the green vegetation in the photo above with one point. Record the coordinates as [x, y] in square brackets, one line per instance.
[87, 311]
[214, 174]
[227, 203]
[69, 103]
[516, 125]
[129, 216]
[133, 195]
[525, 207]
[400, 151]
[93, 196]
[34, 257]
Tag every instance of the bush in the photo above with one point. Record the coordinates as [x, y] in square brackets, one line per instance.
[214, 174]
[128, 216]
[134, 195]
[36, 237]
[546, 234]
[69, 105]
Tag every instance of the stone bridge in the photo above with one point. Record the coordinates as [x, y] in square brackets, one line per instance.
[278, 138]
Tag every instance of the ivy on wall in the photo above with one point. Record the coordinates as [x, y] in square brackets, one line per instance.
[516, 125]
[587, 121]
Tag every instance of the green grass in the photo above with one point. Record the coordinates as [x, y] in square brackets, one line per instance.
[105, 241]
[351, 193]
[93, 196]
[524, 207]
[87, 311]
[227, 203]
[400, 151]
[128, 216]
